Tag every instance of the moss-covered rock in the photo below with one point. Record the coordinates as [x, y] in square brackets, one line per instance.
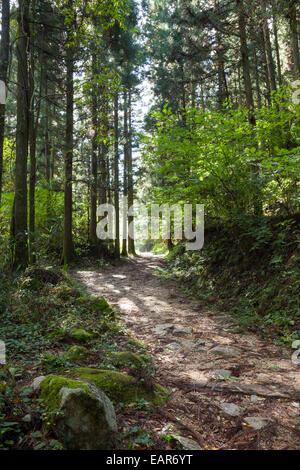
[51, 387]
[80, 335]
[136, 343]
[77, 353]
[129, 359]
[87, 420]
[66, 293]
[95, 303]
[121, 387]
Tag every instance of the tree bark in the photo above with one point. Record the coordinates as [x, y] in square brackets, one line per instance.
[20, 259]
[68, 237]
[116, 174]
[94, 163]
[268, 47]
[292, 17]
[245, 60]
[131, 243]
[4, 59]
[276, 41]
[33, 126]
[125, 182]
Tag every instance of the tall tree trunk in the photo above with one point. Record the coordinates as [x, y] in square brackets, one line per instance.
[20, 229]
[47, 147]
[257, 205]
[33, 126]
[292, 17]
[275, 32]
[125, 182]
[4, 59]
[94, 166]
[222, 82]
[268, 47]
[131, 243]
[116, 174]
[245, 60]
[68, 237]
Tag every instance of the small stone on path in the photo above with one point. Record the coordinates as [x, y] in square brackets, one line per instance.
[221, 374]
[256, 422]
[187, 443]
[225, 351]
[231, 409]
[174, 346]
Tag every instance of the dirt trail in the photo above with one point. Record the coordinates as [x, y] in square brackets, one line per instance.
[181, 335]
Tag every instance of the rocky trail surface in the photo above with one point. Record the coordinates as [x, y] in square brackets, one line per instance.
[228, 390]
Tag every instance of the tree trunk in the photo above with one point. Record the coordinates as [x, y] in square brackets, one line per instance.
[268, 47]
[125, 182]
[131, 243]
[68, 238]
[116, 174]
[4, 59]
[292, 17]
[94, 166]
[20, 229]
[257, 206]
[275, 32]
[245, 60]
[33, 126]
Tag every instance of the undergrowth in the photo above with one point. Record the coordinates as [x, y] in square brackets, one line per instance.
[249, 268]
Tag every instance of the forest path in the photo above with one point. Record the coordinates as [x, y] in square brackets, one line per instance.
[182, 336]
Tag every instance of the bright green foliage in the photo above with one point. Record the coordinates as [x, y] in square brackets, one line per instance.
[221, 161]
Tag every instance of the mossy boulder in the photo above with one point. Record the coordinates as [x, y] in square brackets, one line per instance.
[85, 418]
[95, 303]
[77, 353]
[66, 293]
[136, 343]
[80, 335]
[138, 365]
[121, 387]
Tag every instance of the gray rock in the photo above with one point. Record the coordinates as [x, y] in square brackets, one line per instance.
[221, 374]
[187, 443]
[27, 418]
[231, 409]
[36, 384]
[296, 344]
[254, 399]
[225, 351]
[182, 330]
[256, 422]
[163, 329]
[89, 419]
[196, 345]
[174, 347]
